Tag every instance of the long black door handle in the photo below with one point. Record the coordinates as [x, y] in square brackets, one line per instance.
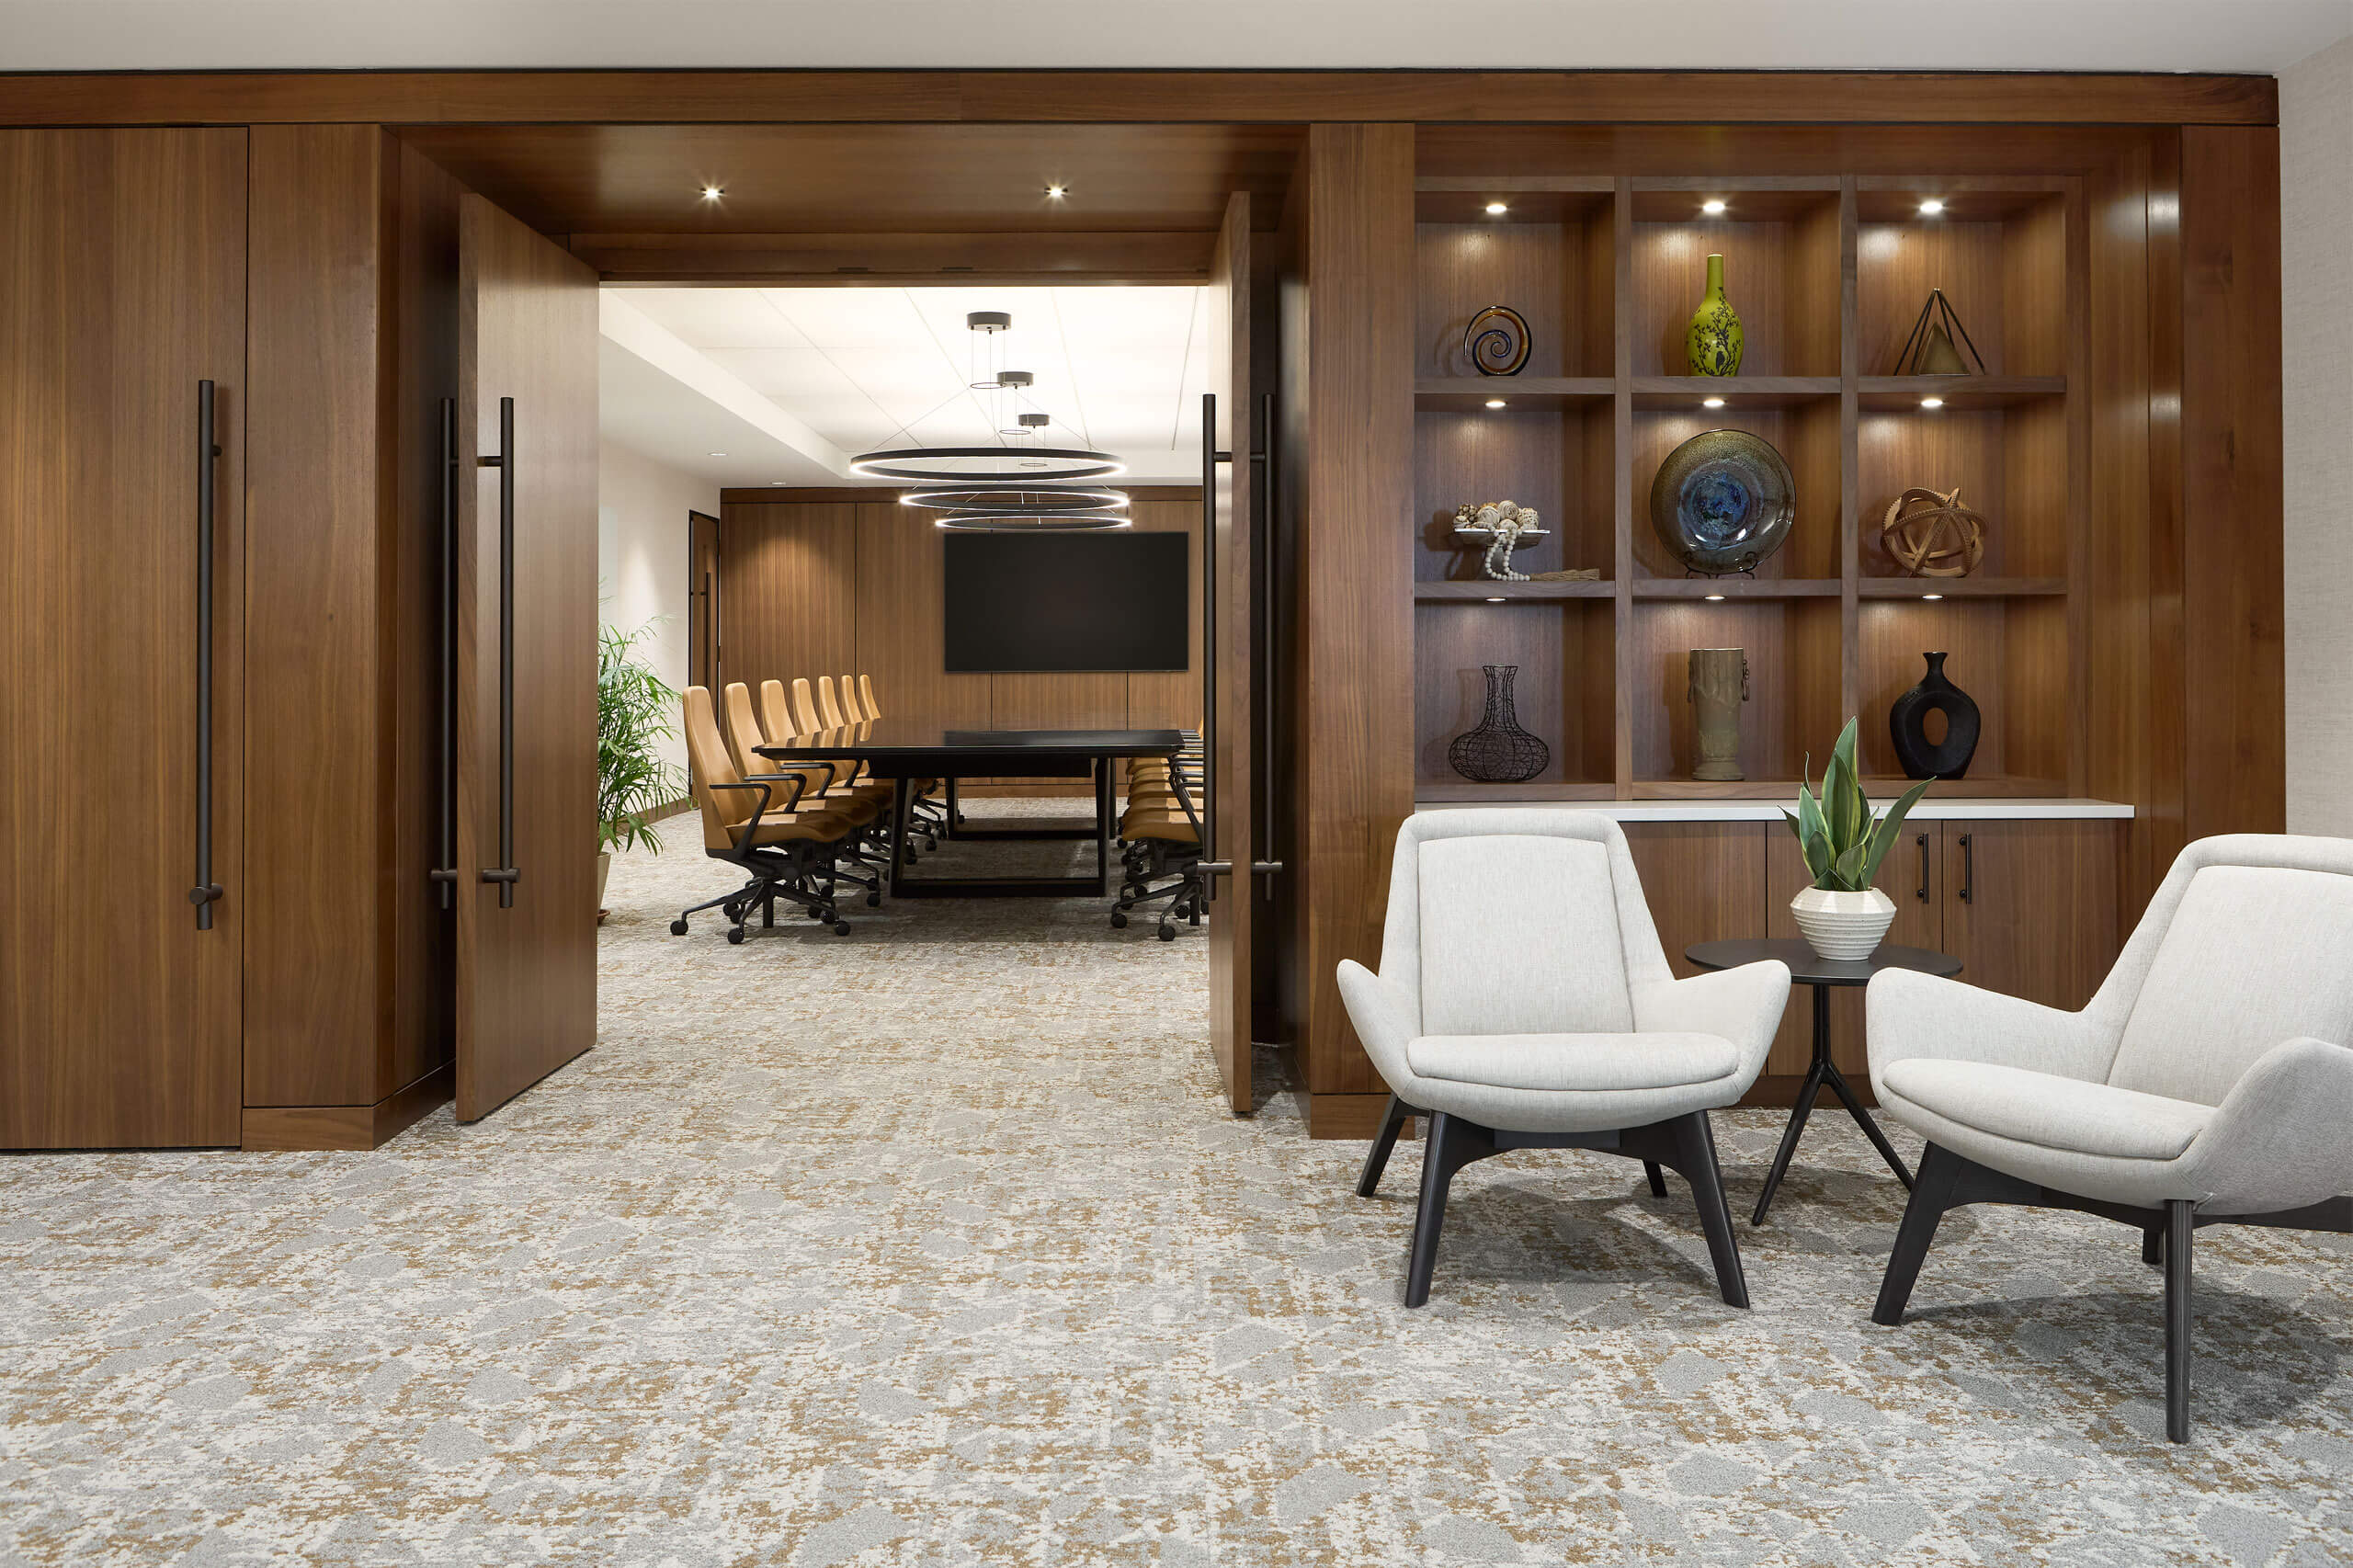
[505, 873]
[1209, 456]
[206, 892]
[443, 874]
[1262, 671]
[1968, 869]
[1922, 894]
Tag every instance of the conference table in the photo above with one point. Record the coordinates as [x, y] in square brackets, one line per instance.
[904, 750]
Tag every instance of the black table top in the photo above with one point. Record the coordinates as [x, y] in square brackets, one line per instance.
[1810, 967]
[880, 738]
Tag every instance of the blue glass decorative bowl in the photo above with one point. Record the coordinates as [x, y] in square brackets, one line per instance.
[1723, 502]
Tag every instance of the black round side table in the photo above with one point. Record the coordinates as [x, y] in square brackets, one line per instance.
[1810, 967]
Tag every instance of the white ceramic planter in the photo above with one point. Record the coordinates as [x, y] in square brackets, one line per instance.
[1845, 926]
[605, 870]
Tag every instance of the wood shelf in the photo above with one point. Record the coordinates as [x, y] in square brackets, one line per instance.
[1883, 789]
[1521, 394]
[1735, 587]
[1463, 789]
[1480, 591]
[1897, 395]
[1682, 393]
[1961, 587]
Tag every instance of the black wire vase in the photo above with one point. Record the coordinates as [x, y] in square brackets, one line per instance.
[1498, 751]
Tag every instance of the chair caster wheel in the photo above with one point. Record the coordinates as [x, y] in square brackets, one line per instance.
[1118, 920]
[1168, 933]
[677, 927]
[736, 935]
[841, 927]
[874, 901]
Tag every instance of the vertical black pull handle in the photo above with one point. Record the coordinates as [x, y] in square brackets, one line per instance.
[1968, 869]
[206, 892]
[1922, 894]
[443, 874]
[505, 874]
[1209, 456]
[1262, 669]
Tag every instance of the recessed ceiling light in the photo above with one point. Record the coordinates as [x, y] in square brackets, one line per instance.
[1496, 208]
[1495, 402]
[1932, 595]
[714, 192]
[779, 482]
[1932, 402]
[1713, 598]
[1711, 402]
[1055, 192]
[1712, 207]
[714, 454]
[1931, 207]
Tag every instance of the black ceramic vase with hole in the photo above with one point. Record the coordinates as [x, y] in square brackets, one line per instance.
[1908, 726]
[1498, 751]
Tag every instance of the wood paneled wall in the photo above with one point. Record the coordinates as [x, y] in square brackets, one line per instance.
[838, 581]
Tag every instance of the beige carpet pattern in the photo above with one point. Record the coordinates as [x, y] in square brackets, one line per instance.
[932, 1246]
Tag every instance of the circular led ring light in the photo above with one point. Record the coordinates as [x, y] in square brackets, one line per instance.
[1013, 498]
[928, 465]
[1033, 522]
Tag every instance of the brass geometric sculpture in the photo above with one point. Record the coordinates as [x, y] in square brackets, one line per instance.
[1928, 350]
[1933, 534]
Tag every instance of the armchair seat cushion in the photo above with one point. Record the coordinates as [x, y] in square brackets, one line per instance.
[1574, 1061]
[2049, 1111]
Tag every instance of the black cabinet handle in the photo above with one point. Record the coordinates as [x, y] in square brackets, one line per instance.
[207, 892]
[1922, 892]
[1968, 869]
[505, 873]
[443, 874]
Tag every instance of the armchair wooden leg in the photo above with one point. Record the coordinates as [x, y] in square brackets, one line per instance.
[1657, 1178]
[1376, 1160]
[1450, 1144]
[1932, 1193]
[2180, 1229]
[1696, 1150]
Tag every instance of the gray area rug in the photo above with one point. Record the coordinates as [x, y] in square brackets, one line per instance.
[933, 1245]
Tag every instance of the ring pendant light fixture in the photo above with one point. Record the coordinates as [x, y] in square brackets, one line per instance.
[1024, 462]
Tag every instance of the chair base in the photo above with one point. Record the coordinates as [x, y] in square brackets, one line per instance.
[1949, 1181]
[1685, 1144]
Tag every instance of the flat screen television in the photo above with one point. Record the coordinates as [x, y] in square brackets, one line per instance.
[1082, 601]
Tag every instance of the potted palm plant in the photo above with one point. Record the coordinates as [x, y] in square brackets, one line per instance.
[1842, 916]
[633, 710]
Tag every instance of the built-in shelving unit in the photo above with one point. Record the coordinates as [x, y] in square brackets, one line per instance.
[1828, 273]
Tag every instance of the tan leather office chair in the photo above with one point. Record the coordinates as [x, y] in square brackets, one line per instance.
[759, 825]
[744, 731]
[1160, 838]
[926, 816]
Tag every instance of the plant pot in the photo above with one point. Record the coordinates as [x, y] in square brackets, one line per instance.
[1843, 927]
[604, 870]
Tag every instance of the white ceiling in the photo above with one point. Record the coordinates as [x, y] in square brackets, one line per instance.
[759, 386]
[2020, 35]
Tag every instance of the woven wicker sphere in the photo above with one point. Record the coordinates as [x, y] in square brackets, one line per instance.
[1933, 534]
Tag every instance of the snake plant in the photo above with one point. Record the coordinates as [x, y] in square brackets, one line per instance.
[1842, 842]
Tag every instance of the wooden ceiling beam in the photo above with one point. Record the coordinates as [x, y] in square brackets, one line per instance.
[803, 260]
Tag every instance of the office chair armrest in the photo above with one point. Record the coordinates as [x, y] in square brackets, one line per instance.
[2283, 1135]
[832, 775]
[751, 827]
[1384, 1018]
[799, 782]
[1743, 1005]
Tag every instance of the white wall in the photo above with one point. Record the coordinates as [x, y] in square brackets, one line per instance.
[2316, 310]
[641, 508]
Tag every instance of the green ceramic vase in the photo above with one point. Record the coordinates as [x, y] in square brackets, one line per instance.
[1715, 340]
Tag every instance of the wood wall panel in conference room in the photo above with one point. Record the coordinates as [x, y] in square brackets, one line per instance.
[830, 583]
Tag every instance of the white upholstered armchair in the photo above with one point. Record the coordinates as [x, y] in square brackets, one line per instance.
[2208, 1081]
[1523, 1002]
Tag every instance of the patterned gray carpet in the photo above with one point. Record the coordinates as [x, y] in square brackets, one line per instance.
[931, 1245]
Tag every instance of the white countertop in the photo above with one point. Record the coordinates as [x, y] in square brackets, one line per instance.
[1930, 809]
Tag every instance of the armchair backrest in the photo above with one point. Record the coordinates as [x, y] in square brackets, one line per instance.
[1518, 921]
[722, 809]
[2244, 946]
[776, 717]
[744, 731]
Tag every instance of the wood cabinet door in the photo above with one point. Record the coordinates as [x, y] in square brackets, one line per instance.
[1704, 880]
[122, 295]
[1909, 876]
[2032, 908]
[526, 659]
[1229, 555]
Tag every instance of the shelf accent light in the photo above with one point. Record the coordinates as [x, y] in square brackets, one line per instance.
[714, 192]
[1931, 597]
[1056, 191]
[1496, 208]
[1495, 599]
[1713, 207]
[1713, 598]
[1711, 402]
[1931, 208]
[1495, 402]
[1932, 402]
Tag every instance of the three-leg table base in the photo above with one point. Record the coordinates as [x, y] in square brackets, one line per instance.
[1819, 1072]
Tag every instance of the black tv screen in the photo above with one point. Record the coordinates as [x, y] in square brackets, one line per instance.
[1091, 601]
